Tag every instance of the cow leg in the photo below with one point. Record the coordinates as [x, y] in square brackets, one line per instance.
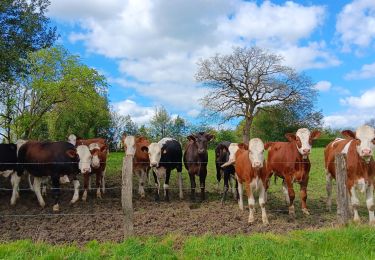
[181, 194]
[286, 194]
[291, 196]
[103, 181]
[251, 201]
[15, 181]
[36, 186]
[370, 203]
[44, 186]
[89, 183]
[86, 181]
[142, 177]
[240, 195]
[166, 184]
[237, 195]
[202, 180]
[157, 184]
[98, 184]
[329, 190]
[226, 187]
[355, 204]
[303, 193]
[193, 185]
[56, 192]
[76, 190]
[262, 203]
[233, 184]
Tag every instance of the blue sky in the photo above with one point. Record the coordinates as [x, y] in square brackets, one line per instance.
[148, 49]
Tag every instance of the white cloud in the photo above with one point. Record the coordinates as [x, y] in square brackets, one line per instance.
[367, 71]
[139, 114]
[348, 119]
[356, 24]
[341, 91]
[323, 85]
[365, 101]
[157, 43]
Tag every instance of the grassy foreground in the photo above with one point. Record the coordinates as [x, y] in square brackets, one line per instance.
[347, 243]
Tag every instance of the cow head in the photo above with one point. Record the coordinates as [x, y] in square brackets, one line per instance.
[154, 151]
[84, 156]
[201, 139]
[95, 150]
[256, 153]
[72, 139]
[129, 144]
[222, 153]
[303, 139]
[233, 148]
[365, 140]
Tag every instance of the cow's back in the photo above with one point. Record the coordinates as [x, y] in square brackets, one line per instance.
[173, 152]
[281, 156]
[45, 158]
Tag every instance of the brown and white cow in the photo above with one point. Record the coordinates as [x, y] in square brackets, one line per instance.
[141, 161]
[99, 151]
[359, 148]
[250, 170]
[290, 161]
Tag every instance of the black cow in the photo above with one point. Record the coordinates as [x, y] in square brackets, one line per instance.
[165, 156]
[196, 159]
[221, 157]
[9, 167]
[54, 159]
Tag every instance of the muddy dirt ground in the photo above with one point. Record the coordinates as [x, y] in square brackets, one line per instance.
[102, 219]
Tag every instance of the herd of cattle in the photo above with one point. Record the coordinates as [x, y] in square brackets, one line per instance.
[244, 163]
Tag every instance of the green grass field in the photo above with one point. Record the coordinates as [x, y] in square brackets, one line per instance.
[353, 242]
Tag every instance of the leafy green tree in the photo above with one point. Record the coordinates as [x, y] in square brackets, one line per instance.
[24, 28]
[59, 95]
[161, 124]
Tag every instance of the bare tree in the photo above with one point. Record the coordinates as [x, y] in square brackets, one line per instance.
[371, 122]
[247, 80]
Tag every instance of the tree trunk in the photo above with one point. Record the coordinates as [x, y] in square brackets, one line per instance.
[246, 130]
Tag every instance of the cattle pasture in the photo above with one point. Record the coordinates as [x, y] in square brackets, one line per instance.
[102, 219]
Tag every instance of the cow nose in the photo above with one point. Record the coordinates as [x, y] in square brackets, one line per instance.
[366, 152]
[257, 164]
[200, 150]
[306, 151]
[153, 164]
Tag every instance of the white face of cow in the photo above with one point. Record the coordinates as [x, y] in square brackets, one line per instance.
[154, 153]
[129, 143]
[84, 159]
[95, 162]
[72, 139]
[303, 144]
[256, 150]
[366, 141]
[233, 148]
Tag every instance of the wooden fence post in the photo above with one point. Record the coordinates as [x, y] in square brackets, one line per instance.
[127, 195]
[343, 213]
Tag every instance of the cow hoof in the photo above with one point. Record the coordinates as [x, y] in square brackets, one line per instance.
[292, 212]
[357, 220]
[74, 200]
[306, 212]
[265, 221]
[251, 220]
[143, 196]
[12, 202]
[372, 223]
[98, 195]
[43, 204]
[56, 208]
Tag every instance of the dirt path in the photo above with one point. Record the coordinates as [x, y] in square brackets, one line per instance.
[104, 219]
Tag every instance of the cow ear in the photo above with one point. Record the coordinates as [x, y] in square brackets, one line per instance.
[243, 146]
[267, 145]
[103, 148]
[191, 138]
[71, 153]
[348, 134]
[164, 151]
[315, 135]
[210, 137]
[144, 149]
[290, 136]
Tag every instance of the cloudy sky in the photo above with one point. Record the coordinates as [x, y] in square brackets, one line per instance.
[148, 49]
